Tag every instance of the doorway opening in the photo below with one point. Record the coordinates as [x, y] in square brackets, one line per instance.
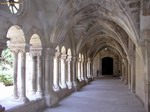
[107, 66]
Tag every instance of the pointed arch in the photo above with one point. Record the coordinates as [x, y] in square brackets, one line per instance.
[69, 53]
[63, 50]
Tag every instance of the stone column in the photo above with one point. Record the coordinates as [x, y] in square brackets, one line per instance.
[122, 71]
[15, 75]
[56, 74]
[133, 73]
[39, 92]
[59, 71]
[23, 97]
[89, 68]
[69, 82]
[79, 70]
[126, 72]
[145, 34]
[82, 70]
[85, 71]
[129, 75]
[147, 76]
[50, 96]
[74, 73]
[63, 71]
[34, 74]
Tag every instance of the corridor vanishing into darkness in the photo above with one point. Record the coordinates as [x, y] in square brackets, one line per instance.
[102, 95]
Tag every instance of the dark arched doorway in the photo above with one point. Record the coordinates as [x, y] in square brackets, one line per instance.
[107, 66]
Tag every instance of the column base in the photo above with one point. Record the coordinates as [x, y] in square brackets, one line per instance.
[82, 79]
[51, 99]
[39, 94]
[15, 97]
[33, 92]
[87, 81]
[63, 86]
[75, 86]
[69, 85]
[24, 100]
[79, 79]
[56, 88]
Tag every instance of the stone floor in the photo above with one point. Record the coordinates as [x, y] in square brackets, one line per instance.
[103, 95]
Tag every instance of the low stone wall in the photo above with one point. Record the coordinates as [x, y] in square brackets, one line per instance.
[90, 79]
[81, 85]
[33, 106]
[64, 93]
[39, 104]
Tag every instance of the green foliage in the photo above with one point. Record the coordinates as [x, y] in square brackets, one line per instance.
[6, 60]
[6, 63]
[7, 79]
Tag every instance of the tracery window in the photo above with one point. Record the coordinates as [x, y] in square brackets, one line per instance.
[14, 5]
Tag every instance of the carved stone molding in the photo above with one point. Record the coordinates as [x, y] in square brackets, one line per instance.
[22, 47]
[35, 51]
[63, 56]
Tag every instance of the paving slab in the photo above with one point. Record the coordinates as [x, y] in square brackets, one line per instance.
[101, 95]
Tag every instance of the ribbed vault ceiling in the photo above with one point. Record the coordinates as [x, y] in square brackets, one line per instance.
[93, 24]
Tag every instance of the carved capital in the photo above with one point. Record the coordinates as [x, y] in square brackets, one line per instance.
[63, 56]
[35, 51]
[79, 59]
[21, 47]
[57, 54]
[14, 51]
[69, 58]
[74, 59]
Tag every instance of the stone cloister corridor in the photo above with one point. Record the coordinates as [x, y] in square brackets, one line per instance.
[107, 94]
[65, 48]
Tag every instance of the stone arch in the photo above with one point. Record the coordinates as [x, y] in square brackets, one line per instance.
[104, 14]
[16, 34]
[107, 51]
[63, 50]
[82, 56]
[57, 49]
[69, 53]
[35, 41]
[33, 60]
[35, 30]
[18, 45]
